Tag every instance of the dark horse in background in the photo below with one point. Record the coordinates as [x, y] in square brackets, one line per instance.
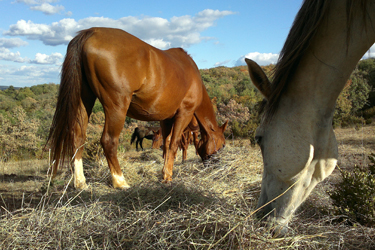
[141, 133]
[130, 78]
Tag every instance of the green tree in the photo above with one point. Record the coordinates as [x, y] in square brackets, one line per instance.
[367, 68]
[359, 91]
[23, 93]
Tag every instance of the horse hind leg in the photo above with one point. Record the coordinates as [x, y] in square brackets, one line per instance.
[140, 143]
[136, 144]
[114, 122]
[87, 103]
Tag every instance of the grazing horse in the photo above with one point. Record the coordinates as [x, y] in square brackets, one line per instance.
[157, 140]
[296, 137]
[190, 134]
[141, 133]
[130, 78]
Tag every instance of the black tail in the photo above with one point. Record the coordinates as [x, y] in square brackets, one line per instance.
[135, 133]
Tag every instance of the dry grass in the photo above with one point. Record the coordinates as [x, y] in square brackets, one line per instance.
[204, 207]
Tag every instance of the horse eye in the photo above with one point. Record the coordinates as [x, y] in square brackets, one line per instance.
[258, 139]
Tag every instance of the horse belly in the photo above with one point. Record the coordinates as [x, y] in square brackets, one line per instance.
[155, 104]
[149, 113]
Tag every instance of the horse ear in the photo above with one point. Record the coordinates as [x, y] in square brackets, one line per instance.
[224, 126]
[259, 78]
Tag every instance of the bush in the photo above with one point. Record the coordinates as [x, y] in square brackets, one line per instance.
[18, 136]
[354, 196]
[369, 113]
[246, 130]
[93, 149]
[236, 114]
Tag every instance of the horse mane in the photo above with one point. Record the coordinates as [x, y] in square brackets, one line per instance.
[303, 31]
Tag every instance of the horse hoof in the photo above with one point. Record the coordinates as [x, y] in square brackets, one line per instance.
[81, 186]
[279, 232]
[123, 187]
[166, 180]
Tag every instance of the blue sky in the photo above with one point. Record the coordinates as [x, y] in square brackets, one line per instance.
[34, 33]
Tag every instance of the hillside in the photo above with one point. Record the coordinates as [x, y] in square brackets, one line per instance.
[28, 111]
[6, 87]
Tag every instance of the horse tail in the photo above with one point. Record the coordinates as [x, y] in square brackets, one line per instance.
[66, 117]
[134, 135]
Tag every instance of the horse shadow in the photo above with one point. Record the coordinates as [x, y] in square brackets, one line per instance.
[18, 178]
[155, 196]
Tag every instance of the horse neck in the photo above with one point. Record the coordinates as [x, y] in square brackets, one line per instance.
[206, 116]
[332, 55]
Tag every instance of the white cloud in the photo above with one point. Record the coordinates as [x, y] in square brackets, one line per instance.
[12, 42]
[262, 59]
[54, 58]
[222, 63]
[180, 31]
[7, 55]
[54, 34]
[159, 43]
[44, 6]
[48, 9]
[28, 75]
[36, 72]
[28, 2]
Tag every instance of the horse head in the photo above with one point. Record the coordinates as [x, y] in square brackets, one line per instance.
[157, 139]
[299, 150]
[211, 142]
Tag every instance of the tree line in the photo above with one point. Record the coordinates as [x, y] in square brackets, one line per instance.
[26, 113]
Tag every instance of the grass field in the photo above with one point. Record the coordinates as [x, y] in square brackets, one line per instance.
[203, 208]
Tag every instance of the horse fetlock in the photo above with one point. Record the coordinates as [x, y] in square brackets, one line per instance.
[118, 181]
[80, 184]
[167, 175]
[278, 227]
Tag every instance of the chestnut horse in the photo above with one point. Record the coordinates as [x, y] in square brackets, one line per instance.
[130, 78]
[157, 140]
[190, 134]
[296, 137]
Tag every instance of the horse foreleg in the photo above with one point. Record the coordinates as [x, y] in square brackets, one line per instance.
[166, 129]
[171, 143]
[136, 144]
[140, 143]
[195, 141]
[184, 146]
